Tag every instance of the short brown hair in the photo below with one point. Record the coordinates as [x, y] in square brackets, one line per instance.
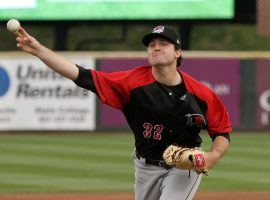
[179, 60]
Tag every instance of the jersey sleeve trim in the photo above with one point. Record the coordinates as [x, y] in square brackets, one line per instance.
[85, 79]
[225, 135]
[227, 129]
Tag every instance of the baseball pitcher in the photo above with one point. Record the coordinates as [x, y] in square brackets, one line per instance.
[165, 108]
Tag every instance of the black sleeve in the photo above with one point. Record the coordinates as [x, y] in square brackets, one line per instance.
[226, 135]
[85, 79]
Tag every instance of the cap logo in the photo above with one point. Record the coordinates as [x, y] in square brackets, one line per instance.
[177, 41]
[158, 29]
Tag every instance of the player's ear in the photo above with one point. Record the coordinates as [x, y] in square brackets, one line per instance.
[178, 53]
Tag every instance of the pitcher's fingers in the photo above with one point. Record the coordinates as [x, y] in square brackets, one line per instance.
[17, 33]
[18, 39]
[19, 45]
[23, 32]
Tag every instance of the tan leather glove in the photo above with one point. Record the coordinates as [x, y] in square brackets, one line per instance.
[186, 158]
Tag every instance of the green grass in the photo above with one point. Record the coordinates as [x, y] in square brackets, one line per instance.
[66, 163]
[246, 166]
[103, 163]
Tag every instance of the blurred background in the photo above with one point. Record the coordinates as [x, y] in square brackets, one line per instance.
[55, 137]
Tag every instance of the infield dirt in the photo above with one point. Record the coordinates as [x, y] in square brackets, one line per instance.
[129, 196]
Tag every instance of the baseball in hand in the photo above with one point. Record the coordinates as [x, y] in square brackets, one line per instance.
[13, 25]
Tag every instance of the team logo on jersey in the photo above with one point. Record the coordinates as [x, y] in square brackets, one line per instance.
[158, 29]
[195, 120]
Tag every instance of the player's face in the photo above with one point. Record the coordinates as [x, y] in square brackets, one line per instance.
[161, 52]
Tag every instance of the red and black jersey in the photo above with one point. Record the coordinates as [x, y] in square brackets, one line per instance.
[160, 115]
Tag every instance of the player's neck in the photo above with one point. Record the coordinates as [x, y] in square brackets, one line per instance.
[167, 75]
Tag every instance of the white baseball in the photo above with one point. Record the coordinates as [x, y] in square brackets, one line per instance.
[13, 25]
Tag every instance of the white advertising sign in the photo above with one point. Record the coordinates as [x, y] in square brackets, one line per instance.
[33, 97]
[264, 102]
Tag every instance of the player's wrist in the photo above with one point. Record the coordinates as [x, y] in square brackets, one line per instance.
[212, 158]
[41, 51]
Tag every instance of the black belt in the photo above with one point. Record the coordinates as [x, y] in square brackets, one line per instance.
[159, 163]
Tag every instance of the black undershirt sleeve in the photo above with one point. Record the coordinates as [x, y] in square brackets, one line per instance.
[226, 135]
[85, 80]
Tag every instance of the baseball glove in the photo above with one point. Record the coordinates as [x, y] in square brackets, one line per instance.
[186, 158]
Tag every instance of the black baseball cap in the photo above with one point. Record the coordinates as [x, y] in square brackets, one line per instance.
[163, 32]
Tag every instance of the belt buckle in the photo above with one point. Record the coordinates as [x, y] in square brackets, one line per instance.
[163, 164]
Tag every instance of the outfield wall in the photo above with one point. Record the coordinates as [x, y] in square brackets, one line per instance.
[34, 98]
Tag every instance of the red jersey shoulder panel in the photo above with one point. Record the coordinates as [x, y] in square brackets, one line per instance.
[114, 88]
[218, 120]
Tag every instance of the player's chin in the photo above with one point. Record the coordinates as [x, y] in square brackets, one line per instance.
[156, 63]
